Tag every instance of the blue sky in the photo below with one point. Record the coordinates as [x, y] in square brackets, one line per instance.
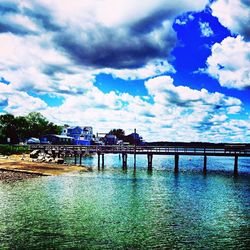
[175, 70]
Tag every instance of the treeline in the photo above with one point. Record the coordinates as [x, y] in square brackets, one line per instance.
[13, 149]
[15, 129]
[131, 139]
[194, 144]
[119, 133]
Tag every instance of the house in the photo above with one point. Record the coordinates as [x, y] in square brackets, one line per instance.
[56, 139]
[74, 132]
[87, 133]
[134, 138]
[110, 139]
[81, 135]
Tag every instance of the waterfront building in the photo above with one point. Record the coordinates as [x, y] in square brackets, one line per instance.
[81, 135]
[56, 139]
[110, 139]
[134, 138]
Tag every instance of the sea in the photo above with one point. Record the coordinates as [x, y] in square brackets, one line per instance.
[113, 208]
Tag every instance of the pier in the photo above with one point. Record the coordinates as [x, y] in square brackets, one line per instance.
[227, 150]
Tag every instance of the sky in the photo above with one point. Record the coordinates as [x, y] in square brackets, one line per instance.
[174, 70]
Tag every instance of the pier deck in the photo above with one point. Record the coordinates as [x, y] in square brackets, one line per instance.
[233, 150]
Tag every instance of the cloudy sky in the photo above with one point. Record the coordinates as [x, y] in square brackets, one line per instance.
[175, 70]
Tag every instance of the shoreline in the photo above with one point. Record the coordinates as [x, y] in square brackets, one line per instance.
[10, 175]
[19, 167]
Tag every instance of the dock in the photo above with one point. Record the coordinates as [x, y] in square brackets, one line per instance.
[176, 151]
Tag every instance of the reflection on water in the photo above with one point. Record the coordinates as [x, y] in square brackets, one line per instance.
[166, 163]
[126, 210]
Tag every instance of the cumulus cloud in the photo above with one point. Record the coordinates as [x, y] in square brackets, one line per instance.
[151, 69]
[206, 30]
[164, 91]
[58, 47]
[18, 24]
[230, 59]
[33, 64]
[230, 63]
[113, 32]
[183, 108]
[184, 19]
[19, 102]
[170, 113]
[233, 14]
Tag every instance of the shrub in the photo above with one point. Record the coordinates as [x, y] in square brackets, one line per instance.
[13, 149]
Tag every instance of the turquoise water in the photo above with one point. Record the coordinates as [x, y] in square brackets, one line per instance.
[166, 163]
[112, 209]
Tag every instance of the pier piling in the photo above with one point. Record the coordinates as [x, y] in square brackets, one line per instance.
[134, 150]
[176, 165]
[135, 158]
[150, 162]
[53, 153]
[98, 160]
[80, 159]
[225, 150]
[102, 161]
[236, 165]
[124, 160]
[205, 165]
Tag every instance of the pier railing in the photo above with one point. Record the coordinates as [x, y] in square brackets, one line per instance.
[182, 150]
[235, 151]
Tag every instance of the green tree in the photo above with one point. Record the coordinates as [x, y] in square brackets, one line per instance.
[8, 128]
[119, 133]
[21, 128]
[38, 125]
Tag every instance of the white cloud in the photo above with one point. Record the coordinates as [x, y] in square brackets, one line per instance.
[127, 39]
[184, 109]
[19, 102]
[114, 13]
[184, 19]
[233, 14]
[230, 63]
[31, 63]
[23, 23]
[175, 113]
[151, 69]
[233, 109]
[45, 47]
[206, 30]
[164, 91]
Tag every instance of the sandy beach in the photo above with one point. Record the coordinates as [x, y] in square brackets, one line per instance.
[17, 167]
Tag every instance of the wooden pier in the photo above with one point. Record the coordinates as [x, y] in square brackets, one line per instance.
[235, 151]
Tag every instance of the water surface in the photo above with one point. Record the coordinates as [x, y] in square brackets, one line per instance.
[112, 209]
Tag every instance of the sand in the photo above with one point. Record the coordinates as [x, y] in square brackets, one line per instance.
[16, 167]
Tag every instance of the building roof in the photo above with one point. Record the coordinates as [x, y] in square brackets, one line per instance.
[74, 127]
[82, 127]
[63, 137]
[58, 136]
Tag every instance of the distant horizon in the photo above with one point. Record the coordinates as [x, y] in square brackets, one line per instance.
[179, 71]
